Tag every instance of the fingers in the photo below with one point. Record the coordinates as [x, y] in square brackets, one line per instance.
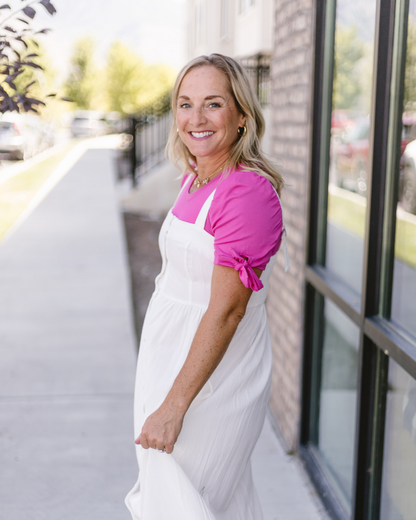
[144, 442]
[160, 431]
[154, 443]
[169, 449]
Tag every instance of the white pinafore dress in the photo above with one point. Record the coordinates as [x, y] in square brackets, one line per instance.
[208, 475]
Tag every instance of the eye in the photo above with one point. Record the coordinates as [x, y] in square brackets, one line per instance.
[185, 105]
[214, 104]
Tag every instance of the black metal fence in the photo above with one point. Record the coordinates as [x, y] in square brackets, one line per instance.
[258, 70]
[149, 137]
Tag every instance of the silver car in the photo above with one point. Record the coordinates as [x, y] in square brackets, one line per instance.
[12, 141]
[88, 123]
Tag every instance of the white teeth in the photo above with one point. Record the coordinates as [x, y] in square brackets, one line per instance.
[201, 134]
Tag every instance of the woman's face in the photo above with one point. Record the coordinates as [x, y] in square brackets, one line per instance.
[207, 117]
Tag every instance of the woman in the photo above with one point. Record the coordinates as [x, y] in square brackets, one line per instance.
[204, 368]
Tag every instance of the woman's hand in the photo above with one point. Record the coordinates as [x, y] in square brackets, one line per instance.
[161, 429]
[229, 298]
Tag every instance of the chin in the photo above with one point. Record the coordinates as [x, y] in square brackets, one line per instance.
[197, 152]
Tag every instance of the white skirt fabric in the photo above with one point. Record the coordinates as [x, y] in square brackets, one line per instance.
[208, 475]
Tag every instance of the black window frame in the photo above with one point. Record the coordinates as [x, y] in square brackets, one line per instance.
[379, 338]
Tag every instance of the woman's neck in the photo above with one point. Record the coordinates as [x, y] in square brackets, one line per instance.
[208, 165]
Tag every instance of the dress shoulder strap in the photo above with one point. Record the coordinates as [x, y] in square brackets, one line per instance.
[184, 186]
[202, 216]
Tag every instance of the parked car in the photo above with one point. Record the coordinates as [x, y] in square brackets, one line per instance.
[343, 119]
[407, 182]
[11, 140]
[349, 153]
[89, 123]
[24, 135]
[115, 122]
[350, 157]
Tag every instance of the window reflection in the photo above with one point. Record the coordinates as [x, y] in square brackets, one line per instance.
[399, 469]
[349, 147]
[338, 395]
[244, 5]
[403, 309]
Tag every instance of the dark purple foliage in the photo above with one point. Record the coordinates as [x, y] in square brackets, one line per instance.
[13, 60]
[48, 6]
[29, 11]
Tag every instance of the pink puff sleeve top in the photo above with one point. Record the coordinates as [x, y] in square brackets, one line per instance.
[245, 219]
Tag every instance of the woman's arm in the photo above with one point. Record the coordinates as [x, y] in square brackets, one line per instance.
[227, 306]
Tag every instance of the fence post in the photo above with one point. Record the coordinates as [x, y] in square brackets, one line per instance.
[133, 153]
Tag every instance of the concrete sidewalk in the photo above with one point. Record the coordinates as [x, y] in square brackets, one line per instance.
[68, 359]
[68, 355]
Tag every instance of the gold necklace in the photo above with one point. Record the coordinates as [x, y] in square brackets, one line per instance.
[198, 183]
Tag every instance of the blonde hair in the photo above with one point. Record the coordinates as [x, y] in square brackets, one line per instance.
[245, 153]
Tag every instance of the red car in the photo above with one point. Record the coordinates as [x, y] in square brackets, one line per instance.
[349, 153]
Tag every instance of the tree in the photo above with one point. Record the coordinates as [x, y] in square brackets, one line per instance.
[131, 85]
[81, 84]
[122, 82]
[41, 80]
[409, 101]
[349, 50]
[18, 56]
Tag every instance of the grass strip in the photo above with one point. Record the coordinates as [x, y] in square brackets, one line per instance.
[405, 242]
[350, 215]
[347, 213]
[17, 192]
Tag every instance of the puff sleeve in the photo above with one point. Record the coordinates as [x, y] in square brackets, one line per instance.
[246, 221]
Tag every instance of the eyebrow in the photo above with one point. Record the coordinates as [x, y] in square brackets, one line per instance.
[208, 97]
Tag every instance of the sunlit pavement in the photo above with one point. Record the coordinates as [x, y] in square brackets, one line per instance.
[68, 358]
[68, 354]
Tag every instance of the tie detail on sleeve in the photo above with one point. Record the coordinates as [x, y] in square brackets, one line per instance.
[246, 272]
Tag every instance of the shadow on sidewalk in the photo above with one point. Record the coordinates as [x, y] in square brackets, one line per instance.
[144, 260]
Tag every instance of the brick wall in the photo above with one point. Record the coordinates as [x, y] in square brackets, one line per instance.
[292, 74]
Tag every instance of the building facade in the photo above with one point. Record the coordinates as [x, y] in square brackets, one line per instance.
[242, 29]
[238, 28]
[342, 118]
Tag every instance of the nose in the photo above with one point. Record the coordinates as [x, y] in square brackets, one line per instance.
[197, 116]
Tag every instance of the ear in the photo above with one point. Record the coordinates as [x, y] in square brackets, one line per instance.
[242, 121]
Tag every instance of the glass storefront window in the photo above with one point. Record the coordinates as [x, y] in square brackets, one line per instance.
[399, 472]
[350, 131]
[358, 474]
[403, 308]
[338, 396]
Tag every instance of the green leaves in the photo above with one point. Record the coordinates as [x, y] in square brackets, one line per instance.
[349, 80]
[131, 85]
[125, 84]
[82, 84]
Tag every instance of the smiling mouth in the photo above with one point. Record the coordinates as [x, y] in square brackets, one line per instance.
[201, 135]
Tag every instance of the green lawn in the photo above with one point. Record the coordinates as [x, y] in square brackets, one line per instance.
[405, 246]
[347, 213]
[350, 214]
[17, 192]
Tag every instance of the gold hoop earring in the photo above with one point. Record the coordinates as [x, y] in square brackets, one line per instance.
[242, 130]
